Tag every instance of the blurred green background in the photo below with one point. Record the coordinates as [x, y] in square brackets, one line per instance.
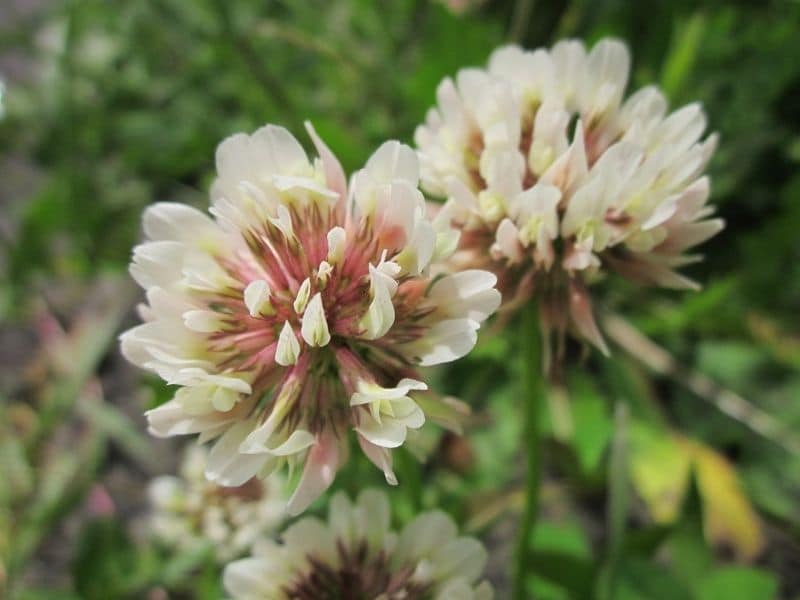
[672, 470]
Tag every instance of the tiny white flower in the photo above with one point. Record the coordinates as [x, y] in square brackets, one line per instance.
[187, 511]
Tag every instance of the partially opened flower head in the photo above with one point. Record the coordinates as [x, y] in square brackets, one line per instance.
[301, 310]
[357, 555]
[188, 511]
[555, 178]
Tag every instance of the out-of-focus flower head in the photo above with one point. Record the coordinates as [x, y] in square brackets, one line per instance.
[188, 511]
[357, 555]
[301, 310]
[555, 178]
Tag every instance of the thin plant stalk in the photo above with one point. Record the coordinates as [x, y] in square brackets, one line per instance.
[533, 387]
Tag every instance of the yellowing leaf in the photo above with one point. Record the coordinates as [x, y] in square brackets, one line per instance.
[728, 516]
[660, 463]
[659, 470]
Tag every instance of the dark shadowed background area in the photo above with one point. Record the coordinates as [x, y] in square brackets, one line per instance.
[690, 492]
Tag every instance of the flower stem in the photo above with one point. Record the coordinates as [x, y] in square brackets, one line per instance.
[530, 353]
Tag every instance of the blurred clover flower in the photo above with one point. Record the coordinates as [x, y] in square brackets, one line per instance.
[357, 555]
[554, 179]
[301, 310]
[189, 511]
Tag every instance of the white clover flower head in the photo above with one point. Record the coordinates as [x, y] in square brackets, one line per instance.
[357, 555]
[553, 177]
[188, 511]
[300, 310]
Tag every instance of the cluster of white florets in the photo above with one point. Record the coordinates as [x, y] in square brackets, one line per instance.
[357, 555]
[554, 177]
[300, 310]
[189, 512]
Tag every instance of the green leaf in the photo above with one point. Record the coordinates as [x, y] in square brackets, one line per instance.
[572, 574]
[738, 583]
[690, 556]
[107, 564]
[592, 425]
[639, 579]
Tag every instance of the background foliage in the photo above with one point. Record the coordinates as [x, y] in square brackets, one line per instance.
[672, 471]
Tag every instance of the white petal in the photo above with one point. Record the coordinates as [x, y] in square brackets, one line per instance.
[303, 293]
[320, 469]
[202, 321]
[314, 328]
[288, 348]
[379, 317]
[391, 161]
[179, 222]
[446, 341]
[388, 434]
[257, 298]
[298, 441]
[420, 538]
[336, 243]
[226, 465]
[380, 457]
[469, 294]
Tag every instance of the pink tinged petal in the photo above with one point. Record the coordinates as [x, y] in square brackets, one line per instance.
[580, 310]
[692, 201]
[320, 469]
[663, 212]
[334, 174]
[226, 464]
[257, 298]
[690, 234]
[507, 241]
[314, 328]
[446, 341]
[380, 457]
[579, 256]
[288, 347]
